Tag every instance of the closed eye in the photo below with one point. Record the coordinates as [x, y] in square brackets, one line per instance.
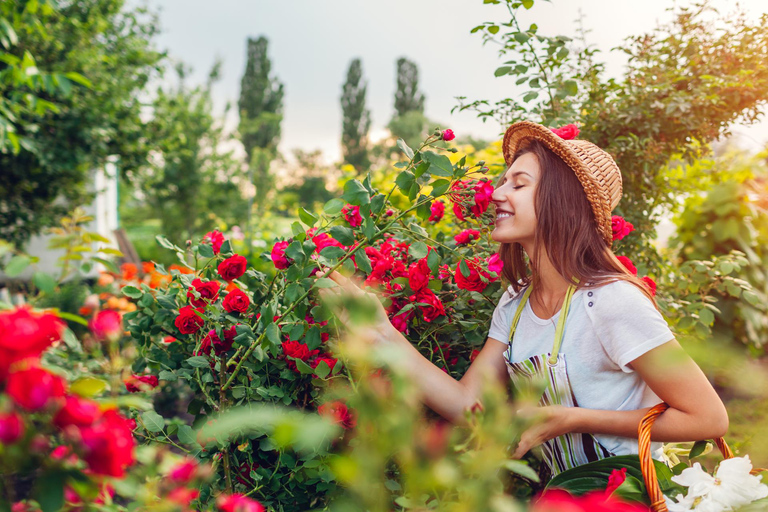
[520, 186]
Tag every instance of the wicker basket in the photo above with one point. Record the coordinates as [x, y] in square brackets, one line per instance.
[646, 463]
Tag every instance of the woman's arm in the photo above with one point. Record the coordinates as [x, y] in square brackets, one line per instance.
[439, 391]
[695, 410]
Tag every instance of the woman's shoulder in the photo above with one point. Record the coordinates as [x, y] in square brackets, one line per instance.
[510, 295]
[617, 295]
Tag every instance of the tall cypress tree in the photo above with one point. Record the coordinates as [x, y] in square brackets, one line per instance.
[407, 96]
[357, 119]
[261, 112]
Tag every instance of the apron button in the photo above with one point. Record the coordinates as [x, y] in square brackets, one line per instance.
[589, 294]
[590, 304]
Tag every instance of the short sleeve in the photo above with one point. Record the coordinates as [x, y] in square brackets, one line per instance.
[625, 321]
[502, 316]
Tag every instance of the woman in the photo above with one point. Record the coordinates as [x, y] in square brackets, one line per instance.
[574, 316]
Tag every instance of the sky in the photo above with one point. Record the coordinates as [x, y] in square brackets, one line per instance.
[311, 43]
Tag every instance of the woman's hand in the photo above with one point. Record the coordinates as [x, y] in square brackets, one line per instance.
[378, 328]
[553, 421]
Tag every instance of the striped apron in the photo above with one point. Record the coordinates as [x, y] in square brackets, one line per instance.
[569, 450]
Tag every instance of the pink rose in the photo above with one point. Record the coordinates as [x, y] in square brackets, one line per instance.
[79, 412]
[279, 258]
[620, 227]
[238, 503]
[34, 388]
[24, 334]
[11, 428]
[567, 132]
[216, 239]
[495, 264]
[108, 444]
[437, 211]
[476, 202]
[448, 135]
[352, 215]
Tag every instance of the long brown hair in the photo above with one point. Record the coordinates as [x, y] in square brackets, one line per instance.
[566, 227]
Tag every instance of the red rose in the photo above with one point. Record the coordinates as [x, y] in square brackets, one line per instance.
[236, 301]
[650, 283]
[232, 268]
[208, 291]
[474, 355]
[216, 239]
[108, 444]
[567, 132]
[330, 361]
[213, 342]
[433, 308]
[107, 324]
[400, 321]
[560, 500]
[238, 503]
[620, 227]
[137, 383]
[183, 496]
[25, 334]
[448, 135]
[324, 240]
[477, 279]
[77, 411]
[628, 264]
[495, 264]
[419, 275]
[169, 339]
[189, 320]
[278, 255]
[352, 215]
[615, 480]
[183, 472]
[437, 211]
[11, 428]
[297, 350]
[33, 388]
[475, 201]
[467, 236]
[339, 413]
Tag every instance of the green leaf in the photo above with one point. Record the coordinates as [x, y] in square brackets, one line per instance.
[44, 282]
[325, 282]
[343, 234]
[332, 252]
[464, 268]
[303, 367]
[751, 297]
[528, 4]
[132, 292]
[187, 436]
[406, 149]
[697, 449]
[72, 317]
[273, 334]
[198, 362]
[49, 491]
[439, 187]
[706, 316]
[503, 70]
[404, 180]
[530, 96]
[88, 387]
[362, 260]
[355, 193]
[334, 206]
[78, 78]
[369, 228]
[153, 421]
[323, 370]
[521, 468]
[418, 250]
[307, 217]
[166, 243]
[521, 37]
[439, 165]
[17, 265]
[205, 250]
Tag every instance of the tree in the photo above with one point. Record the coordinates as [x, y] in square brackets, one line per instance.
[64, 130]
[191, 181]
[357, 119]
[261, 112]
[407, 96]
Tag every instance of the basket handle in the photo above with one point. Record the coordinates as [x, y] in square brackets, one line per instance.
[646, 462]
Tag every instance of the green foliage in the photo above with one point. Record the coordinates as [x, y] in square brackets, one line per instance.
[72, 94]
[356, 118]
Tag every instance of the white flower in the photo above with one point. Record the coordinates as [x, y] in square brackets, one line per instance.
[732, 486]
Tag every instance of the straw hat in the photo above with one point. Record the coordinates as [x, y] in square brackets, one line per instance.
[596, 169]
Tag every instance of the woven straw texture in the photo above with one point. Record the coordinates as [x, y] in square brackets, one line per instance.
[596, 169]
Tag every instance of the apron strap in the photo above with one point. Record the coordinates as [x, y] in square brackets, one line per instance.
[560, 321]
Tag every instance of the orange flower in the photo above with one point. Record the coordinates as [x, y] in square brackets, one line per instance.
[105, 279]
[183, 270]
[157, 280]
[147, 267]
[129, 271]
[85, 311]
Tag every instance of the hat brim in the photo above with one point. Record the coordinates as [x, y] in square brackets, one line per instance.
[572, 152]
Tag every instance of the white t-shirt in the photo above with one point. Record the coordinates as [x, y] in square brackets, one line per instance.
[607, 328]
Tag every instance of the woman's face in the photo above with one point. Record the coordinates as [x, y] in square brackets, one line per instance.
[515, 213]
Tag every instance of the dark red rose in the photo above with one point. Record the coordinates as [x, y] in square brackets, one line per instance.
[232, 268]
[236, 301]
[238, 503]
[620, 227]
[107, 324]
[33, 388]
[189, 320]
[433, 309]
[213, 342]
[567, 132]
[138, 383]
[330, 361]
[471, 197]
[650, 283]
[208, 291]
[25, 334]
[108, 444]
[477, 279]
[11, 428]
[79, 412]
[279, 258]
[297, 350]
[339, 413]
[437, 211]
[467, 236]
[352, 215]
[216, 239]
[474, 355]
[448, 135]
[628, 264]
[419, 275]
